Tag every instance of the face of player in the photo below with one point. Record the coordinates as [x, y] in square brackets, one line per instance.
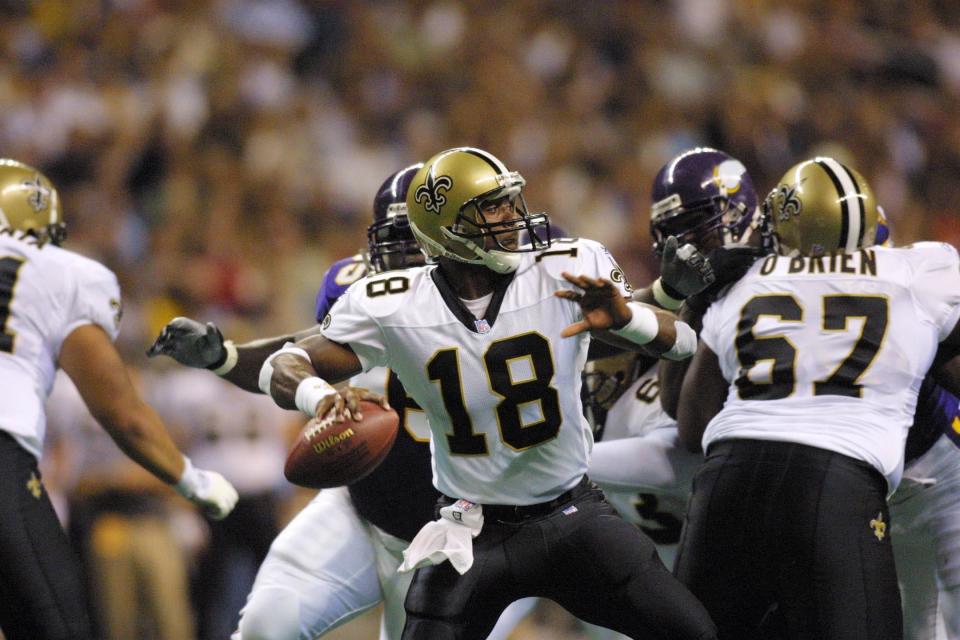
[501, 211]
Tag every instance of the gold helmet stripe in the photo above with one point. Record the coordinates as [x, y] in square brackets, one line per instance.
[853, 215]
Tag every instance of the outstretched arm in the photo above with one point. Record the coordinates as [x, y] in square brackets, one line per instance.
[611, 317]
[90, 359]
[202, 346]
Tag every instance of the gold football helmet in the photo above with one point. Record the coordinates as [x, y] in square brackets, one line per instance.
[29, 203]
[445, 204]
[821, 206]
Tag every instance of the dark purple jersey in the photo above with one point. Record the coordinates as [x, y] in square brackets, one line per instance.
[398, 496]
[937, 414]
[338, 279]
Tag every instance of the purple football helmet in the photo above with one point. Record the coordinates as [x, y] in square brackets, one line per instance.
[390, 238]
[704, 197]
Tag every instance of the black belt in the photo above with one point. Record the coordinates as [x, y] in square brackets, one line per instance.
[517, 513]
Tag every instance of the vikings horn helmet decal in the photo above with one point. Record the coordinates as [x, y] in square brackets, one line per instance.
[704, 197]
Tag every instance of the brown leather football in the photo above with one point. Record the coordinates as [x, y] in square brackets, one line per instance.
[332, 454]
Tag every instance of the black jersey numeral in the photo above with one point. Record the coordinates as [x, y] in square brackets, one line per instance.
[782, 354]
[444, 368]
[387, 286]
[776, 349]
[9, 272]
[836, 311]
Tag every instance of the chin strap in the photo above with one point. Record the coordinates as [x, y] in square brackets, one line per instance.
[499, 261]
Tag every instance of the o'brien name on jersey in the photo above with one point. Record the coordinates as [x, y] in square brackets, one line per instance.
[863, 263]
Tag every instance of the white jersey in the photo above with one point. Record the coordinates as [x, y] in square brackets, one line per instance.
[502, 394]
[830, 352]
[645, 473]
[45, 293]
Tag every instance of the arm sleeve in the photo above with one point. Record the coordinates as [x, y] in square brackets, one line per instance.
[654, 461]
[604, 266]
[936, 285]
[95, 300]
[350, 322]
[590, 258]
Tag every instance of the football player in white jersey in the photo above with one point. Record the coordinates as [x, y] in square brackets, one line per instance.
[801, 393]
[338, 557]
[489, 345]
[59, 309]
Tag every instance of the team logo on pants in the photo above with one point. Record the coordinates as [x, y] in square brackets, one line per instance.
[879, 527]
[34, 486]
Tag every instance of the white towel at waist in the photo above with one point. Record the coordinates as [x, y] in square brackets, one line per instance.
[449, 538]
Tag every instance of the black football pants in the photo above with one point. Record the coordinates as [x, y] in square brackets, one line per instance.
[599, 567]
[784, 540]
[41, 591]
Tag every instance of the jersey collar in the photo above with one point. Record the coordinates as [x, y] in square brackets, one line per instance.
[461, 312]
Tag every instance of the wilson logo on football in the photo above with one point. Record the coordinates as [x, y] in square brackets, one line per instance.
[324, 444]
[430, 193]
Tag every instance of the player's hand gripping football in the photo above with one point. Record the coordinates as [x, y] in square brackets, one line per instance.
[345, 404]
[190, 343]
[684, 271]
[602, 304]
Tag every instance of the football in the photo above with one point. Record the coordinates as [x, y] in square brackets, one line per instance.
[332, 454]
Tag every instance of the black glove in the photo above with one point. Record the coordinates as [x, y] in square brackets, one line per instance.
[729, 265]
[190, 343]
[684, 271]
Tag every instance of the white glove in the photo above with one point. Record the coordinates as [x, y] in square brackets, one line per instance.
[207, 489]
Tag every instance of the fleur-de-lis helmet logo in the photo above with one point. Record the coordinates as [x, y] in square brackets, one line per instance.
[39, 195]
[430, 193]
[790, 204]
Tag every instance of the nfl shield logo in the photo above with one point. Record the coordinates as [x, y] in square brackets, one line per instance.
[482, 325]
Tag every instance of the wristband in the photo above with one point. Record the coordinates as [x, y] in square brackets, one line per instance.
[266, 371]
[311, 392]
[230, 359]
[643, 326]
[664, 299]
[685, 345]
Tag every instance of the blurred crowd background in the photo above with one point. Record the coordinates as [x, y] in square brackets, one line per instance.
[220, 154]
